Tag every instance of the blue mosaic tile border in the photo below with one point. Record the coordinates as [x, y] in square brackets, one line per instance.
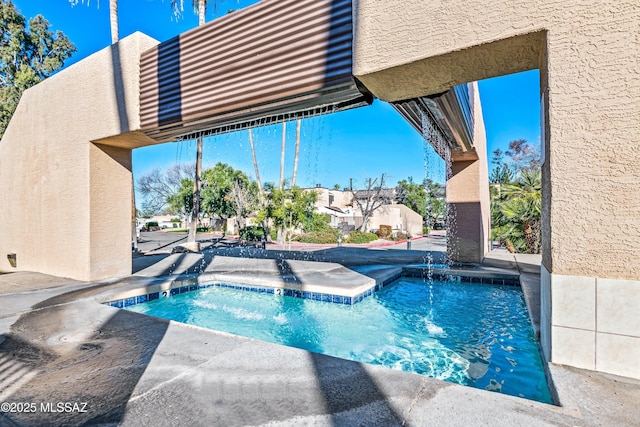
[126, 302]
[317, 296]
[465, 279]
[337, 299]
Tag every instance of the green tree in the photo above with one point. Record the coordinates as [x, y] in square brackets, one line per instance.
[516, 197]
[501, 175]
[200, 6]
[287, 209]
[29, 53]
[516, 211]
[317, 222]
[412, 195]
[181, 202]
[228, 192]
[436, 203]
[216, 187]
[427, 199]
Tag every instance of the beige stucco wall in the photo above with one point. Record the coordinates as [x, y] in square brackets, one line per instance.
[399, 217]
[66, 202]
[588, 55]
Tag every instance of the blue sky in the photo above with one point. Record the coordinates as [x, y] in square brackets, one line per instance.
[358, 144]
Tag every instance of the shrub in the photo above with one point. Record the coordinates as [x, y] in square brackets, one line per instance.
[252, 233]
[323, 236]
[400, 236]
[426, 230]
[361, 237]
[384, 232]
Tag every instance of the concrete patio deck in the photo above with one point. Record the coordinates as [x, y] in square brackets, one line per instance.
[59, 344]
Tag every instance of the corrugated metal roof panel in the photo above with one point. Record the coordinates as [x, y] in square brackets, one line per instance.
[449, 113]
[275, 60]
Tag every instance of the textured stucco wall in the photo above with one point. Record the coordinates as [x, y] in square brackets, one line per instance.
[480, 144]
[588, 53]
[65, 207]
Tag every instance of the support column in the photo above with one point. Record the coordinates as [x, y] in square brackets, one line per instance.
[590, 276]
[468, 217]
[66, 168]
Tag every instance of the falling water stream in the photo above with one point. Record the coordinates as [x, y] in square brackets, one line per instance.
[436, 150]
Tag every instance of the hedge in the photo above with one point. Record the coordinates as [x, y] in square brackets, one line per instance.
[361, 237]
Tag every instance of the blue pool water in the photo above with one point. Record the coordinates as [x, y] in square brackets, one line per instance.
[472, 334]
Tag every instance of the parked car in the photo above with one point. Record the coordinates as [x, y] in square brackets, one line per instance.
[151, 226]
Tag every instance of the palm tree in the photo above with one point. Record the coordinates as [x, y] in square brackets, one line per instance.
[517, 213]
[284, 138]
[195, 212]
[262, 200]
[295, 159]
[201, 7]
[113, 17]
[255, 162]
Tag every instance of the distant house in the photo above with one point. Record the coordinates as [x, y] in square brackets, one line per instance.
[385, 193]
[229, 225]
[164, 221]
[400, 217]
[345, 215]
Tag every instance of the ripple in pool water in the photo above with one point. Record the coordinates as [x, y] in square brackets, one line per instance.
[472, 334]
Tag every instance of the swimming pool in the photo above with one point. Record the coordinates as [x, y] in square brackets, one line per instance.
[467, 333]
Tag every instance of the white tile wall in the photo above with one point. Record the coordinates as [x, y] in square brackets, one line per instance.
[595, 322]
[618, 354]
[619, 307]
[574, 347]
[545, 312]
[574, 301]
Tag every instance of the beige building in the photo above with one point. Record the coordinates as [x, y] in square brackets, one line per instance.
[346, 216]
[164, 221]
[401, 218]
[66, 154]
